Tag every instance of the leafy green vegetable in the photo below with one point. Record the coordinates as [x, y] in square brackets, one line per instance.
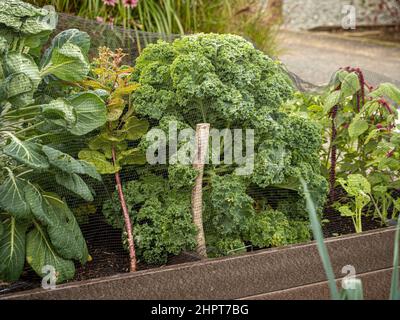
[12, 249]
[26, 152]
[357, 127]
[12, 197]
[108, 151]
[99, 160]
[37, 226]
[90, 112]
[223, 80]
[161, 216]
[25, 24]
[67, 63]
[360, 136]
[388, 90]
[40, 253]
[358, 187]
[68, 37]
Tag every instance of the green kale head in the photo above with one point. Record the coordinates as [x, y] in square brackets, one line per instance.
[224, 81]
[219, 79]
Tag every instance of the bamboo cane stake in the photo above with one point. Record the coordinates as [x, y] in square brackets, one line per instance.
[201, 147]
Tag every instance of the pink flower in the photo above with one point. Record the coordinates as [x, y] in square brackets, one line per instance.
[100, 20]
[110, 2]
[130, 3]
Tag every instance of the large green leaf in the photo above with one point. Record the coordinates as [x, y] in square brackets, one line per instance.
[68, 164]
[355, 184]
[17, 84]
[90, 111]
[63, 161]
[60, 113]
[357, 127]
[74, 183]
[26, 18]
[131, 157]
[40, 26]
[99, 160]
[34, 199]
[72, 36]
[90, 170]
[350, 85]
[67, 63]
[12, 197]
[40, 253]
[100, 143]
[331, 100]
[388, 90]
[62, 228]
[16, 63]
[23, 78]
[64, 231]
[26, 152]
[135, 128]
[12, 249]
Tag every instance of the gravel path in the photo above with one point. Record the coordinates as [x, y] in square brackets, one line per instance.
[316, 56]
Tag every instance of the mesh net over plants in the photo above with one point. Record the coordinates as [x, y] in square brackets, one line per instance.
[80, 134]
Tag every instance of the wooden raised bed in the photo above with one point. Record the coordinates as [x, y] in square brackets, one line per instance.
[293, 272]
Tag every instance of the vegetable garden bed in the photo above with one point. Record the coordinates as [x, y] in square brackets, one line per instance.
[293, 272]
[88, 192]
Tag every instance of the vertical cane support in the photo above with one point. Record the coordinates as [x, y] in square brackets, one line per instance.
[201, 147]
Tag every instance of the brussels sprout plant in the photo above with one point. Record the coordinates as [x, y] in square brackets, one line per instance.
[36, 224]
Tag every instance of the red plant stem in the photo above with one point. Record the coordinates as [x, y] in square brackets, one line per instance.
[358, 99]
[362, 86]
[385, 104]
[332, 171]
[127, 219]
[390, 153]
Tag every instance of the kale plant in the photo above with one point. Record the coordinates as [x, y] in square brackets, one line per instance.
[161, 218]
[36, 224]
[223, 80]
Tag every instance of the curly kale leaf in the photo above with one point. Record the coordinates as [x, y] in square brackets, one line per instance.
[161, 217]
[217, 78]
[227, 206]
[267, 228]
[224, 246]
[272, 228]
[181, 176]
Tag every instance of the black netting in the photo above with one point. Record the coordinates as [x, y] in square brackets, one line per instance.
[104, 242]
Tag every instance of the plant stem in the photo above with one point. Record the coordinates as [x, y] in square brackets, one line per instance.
[12, 111]
[31, 127]
[377, 208]
[332, 172]
[127, 219]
